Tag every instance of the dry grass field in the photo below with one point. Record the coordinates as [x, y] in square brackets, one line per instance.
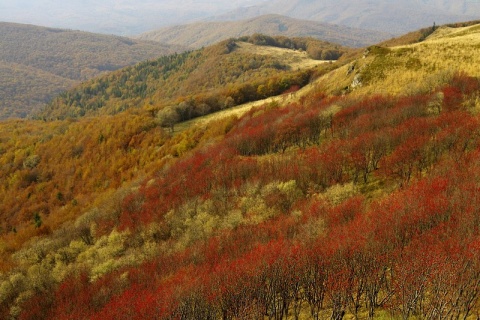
[422, 66]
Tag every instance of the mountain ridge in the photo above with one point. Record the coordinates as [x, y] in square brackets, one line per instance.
[396, 17]
[201, 34]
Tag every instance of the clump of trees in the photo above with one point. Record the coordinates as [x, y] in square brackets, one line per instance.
[202, 104]
[316, 49]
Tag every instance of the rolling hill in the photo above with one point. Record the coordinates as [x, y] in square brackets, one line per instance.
[38, 63]
[200, 34]
[396, 17]
[353, 197]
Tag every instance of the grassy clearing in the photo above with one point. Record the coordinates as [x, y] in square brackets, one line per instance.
[294, 58]
[235, 111]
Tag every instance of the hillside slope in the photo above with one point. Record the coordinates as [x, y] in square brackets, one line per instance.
[57, 59]
[411, 68]
[382, 15]
[326, 203]
[202, 34]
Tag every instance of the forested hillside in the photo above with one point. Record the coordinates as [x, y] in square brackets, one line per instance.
[38, 63]
[354, 197]
[201, 81]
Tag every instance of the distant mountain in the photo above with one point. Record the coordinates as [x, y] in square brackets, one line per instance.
[120, 17]
[36, 63]
[129, 17]
[383, 15]
[201, 34]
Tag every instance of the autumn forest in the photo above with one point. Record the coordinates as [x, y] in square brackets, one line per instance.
[258, 178]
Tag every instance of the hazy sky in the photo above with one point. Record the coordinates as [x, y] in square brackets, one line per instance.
[114, 16]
